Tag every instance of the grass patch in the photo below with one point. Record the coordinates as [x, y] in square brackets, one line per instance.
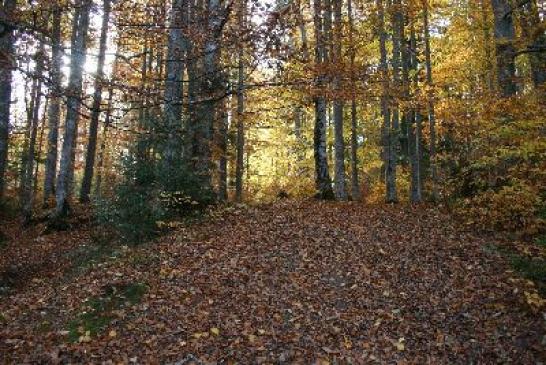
[541, 241]
[532, 269]
[98, 311]
[87, 256]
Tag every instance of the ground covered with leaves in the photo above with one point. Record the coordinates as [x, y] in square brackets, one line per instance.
[292, 282]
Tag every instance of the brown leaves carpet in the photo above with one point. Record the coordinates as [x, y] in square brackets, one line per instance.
[291, 283]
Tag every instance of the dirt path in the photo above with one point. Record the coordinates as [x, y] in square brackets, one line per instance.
[288, 283]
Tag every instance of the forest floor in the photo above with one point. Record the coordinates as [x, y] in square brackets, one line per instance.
[291, 282]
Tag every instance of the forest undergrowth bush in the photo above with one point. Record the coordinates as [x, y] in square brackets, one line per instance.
[497, 178]
[150, 194]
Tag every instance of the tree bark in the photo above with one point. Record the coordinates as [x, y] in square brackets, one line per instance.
[322, 174]
[536, 39]
[303, 32]
[504, 43]
[339, 177]
[211, 88]
[73, 106]
[54, 110]
[7, 40]
[107, 122]
[239, 166]
[40, 145]
[173, 95]
[388, 151]
[394, 131]
[96, 109]
[29, 153]
[223, 163]
[430, 104]
[415, 128]
[355, 184]
[489, 74]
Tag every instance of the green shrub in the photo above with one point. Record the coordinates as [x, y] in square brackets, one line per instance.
[98, 311]
[151, 192]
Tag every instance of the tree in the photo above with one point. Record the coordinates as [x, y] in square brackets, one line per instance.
[54, 110]
[430, 103]
[174, 73]
[32, 126]
[355, 184]
[80, 25]
[96, 108]
[239, 165]
[7, 40]
[322, 174]
[339, 178]
[505, 35]
[416, 126]
[535, 37]
[387, 133]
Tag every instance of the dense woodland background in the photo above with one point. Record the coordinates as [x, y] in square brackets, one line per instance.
[272, 181]
[163, 106]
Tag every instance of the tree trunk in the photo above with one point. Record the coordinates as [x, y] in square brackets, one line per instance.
[211, 87]
[29, 153]
[107, 122]
[303, 32]
[96, 109]
[73, 105]
[415, 127]
[7, 64]
[355, 185]
[239, 166]
[504, 43]
[40, 145]
[322, 174]
[394, 131]
[430, 104]
[54, 110]
[536, 41]
[339, 177]
[489, 74]
[388, 151]
[223, 163]
[174, 84]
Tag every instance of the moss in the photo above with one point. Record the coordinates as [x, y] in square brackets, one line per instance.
[532, 269]
[97, 313]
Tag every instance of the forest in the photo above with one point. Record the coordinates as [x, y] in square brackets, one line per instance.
[273, 181]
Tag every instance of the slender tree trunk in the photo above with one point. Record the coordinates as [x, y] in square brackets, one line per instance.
[415, 124]
[211, 88]
[339, 177]
[430, 103]
[388, 150]
[504, 43]
[489, 75]
[536, 41]
[174, 83]
[416, 128]
[54, 110]
[29, 153]
[394, 132]
[96, 109]
[223, 163]
[239, 166]
[40, 145]
[107, 122]
[322, 174]
[355, 184]
[7, 63]
[73, 105]
[303, 32]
